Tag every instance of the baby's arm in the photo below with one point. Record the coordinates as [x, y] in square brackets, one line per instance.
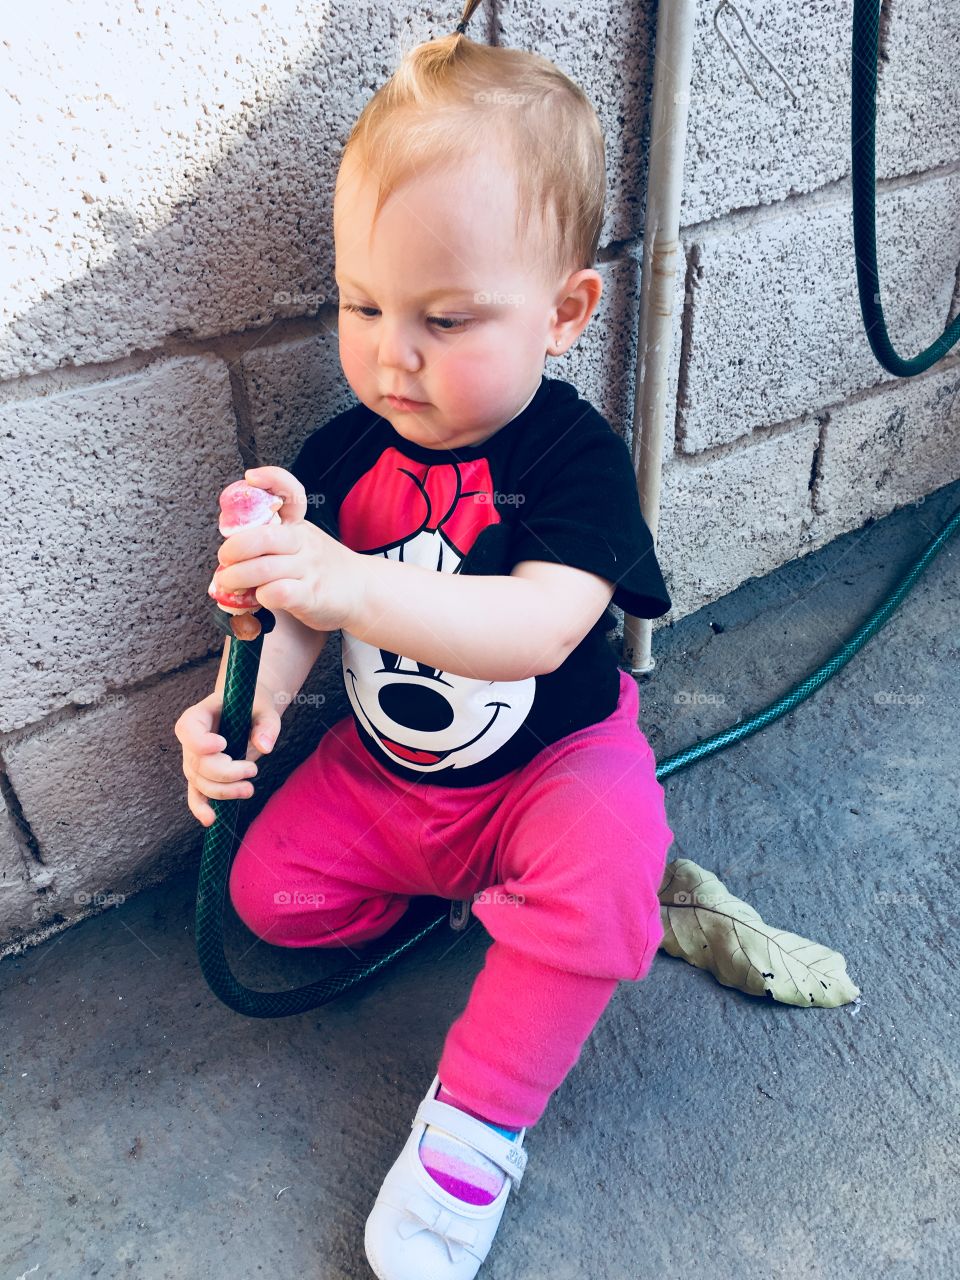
[286, 659]
[492, 627]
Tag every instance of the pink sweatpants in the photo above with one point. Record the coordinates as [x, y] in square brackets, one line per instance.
[562, 858]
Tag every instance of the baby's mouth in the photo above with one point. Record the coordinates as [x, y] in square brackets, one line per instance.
[403, 404]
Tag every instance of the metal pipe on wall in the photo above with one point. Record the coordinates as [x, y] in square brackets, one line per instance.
[672, 68]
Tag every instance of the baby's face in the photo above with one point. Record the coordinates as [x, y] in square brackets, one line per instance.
[441, 306]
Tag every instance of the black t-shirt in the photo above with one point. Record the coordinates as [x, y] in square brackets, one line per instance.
[555, 483]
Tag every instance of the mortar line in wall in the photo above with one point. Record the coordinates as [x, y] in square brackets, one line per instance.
[816, 467]
[246, 437]
[229, 347]
[826, 196]
[837, 192]
[617, 249]
[493, 23]
[767, 431]
[692, 273]
[28, 846]
[749, 440]
[72, 711]
[883, 33]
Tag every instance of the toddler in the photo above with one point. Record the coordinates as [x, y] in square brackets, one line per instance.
[465, 527]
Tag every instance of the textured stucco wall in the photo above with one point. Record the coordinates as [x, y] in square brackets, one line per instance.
[169, 317]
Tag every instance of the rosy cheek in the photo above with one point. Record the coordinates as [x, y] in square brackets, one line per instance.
[469, 378]
[352, 360]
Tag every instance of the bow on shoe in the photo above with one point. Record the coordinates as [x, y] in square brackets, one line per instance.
[426, 1215]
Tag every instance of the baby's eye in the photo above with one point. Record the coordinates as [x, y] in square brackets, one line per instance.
[446, 323]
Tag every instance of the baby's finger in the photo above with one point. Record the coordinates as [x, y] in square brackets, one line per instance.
[199, 807]
[258, 572]
[221, 768]
[285, 485]
[197, 750]
[223, 790]
[206, 744]
[194, 733]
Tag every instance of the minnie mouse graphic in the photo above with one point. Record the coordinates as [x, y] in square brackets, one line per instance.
[429, 515]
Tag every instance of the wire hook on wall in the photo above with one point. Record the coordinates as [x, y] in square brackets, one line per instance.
[726, 4]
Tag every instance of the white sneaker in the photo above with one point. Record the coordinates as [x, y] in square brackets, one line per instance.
[418, 1231]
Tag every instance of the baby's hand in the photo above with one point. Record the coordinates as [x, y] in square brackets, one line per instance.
[208, 770]
[293, 565]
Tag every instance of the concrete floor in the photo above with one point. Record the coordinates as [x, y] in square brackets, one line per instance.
[148, 1131]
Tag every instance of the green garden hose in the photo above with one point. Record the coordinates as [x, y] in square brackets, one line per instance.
[863, 121]
[243, 661]
[219, 850]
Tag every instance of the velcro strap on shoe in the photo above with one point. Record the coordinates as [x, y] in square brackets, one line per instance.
[510, 1156]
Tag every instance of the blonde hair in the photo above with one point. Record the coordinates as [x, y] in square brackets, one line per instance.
[451, 98]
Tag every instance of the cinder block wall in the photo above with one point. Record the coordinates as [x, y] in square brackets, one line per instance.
[170, 318]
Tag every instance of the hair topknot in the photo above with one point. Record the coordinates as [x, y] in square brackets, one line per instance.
[453, 97]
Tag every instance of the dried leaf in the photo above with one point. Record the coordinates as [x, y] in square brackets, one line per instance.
[706, 925]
